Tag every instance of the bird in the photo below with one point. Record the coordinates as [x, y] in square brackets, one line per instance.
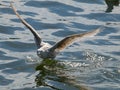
[48, 51]
[111, 4]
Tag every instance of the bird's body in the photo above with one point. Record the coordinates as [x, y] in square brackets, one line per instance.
[47, 51]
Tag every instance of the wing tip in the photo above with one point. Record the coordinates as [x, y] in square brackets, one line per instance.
[101, 28]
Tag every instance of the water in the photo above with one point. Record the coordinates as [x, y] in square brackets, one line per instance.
[92, 64]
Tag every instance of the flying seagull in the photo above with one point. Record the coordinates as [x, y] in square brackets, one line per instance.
[47, 51]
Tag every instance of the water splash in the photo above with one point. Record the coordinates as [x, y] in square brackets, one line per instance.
[32, 60]
[90, 61]
[94, 59]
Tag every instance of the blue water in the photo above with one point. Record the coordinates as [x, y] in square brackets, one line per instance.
[91, 64]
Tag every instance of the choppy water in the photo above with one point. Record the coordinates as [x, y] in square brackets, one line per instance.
[93, 64]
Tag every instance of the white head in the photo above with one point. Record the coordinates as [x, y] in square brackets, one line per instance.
[43, 51]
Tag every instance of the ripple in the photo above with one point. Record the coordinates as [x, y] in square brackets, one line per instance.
[27, 13]
[63, 33]
[102, 17]
[9, 29]
[55, 76]
[3, 56]
[116, 37]
[41, 25]
[111, 75]
[90, 2]
[116, 53]
[6, 11]
[84, 26]
[101, 42]
[61, 8]
[17, 46]
[4, 81]
[36, 88]
[16, 67]
[109, 30]
[73, 69]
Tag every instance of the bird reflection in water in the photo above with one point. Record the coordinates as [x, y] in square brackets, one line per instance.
[111, 4]
[47, 68]
[53, 74]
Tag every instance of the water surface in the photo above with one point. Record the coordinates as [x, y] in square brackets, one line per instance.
[92, 64]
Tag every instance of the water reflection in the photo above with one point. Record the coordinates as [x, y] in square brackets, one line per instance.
[53, 74]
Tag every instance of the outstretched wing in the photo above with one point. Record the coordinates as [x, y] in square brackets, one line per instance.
[70, 39]
[36, 35]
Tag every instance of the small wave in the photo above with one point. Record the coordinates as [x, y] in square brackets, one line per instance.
[32, 60]
[93, 58]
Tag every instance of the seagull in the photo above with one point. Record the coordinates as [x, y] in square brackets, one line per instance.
[47, 51]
